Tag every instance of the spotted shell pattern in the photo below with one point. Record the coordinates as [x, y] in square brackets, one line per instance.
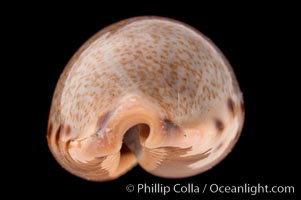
[150, 91]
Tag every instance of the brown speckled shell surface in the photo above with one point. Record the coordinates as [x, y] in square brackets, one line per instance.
[150, 91]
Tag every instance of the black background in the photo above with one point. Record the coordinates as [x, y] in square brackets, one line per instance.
[258, 42]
